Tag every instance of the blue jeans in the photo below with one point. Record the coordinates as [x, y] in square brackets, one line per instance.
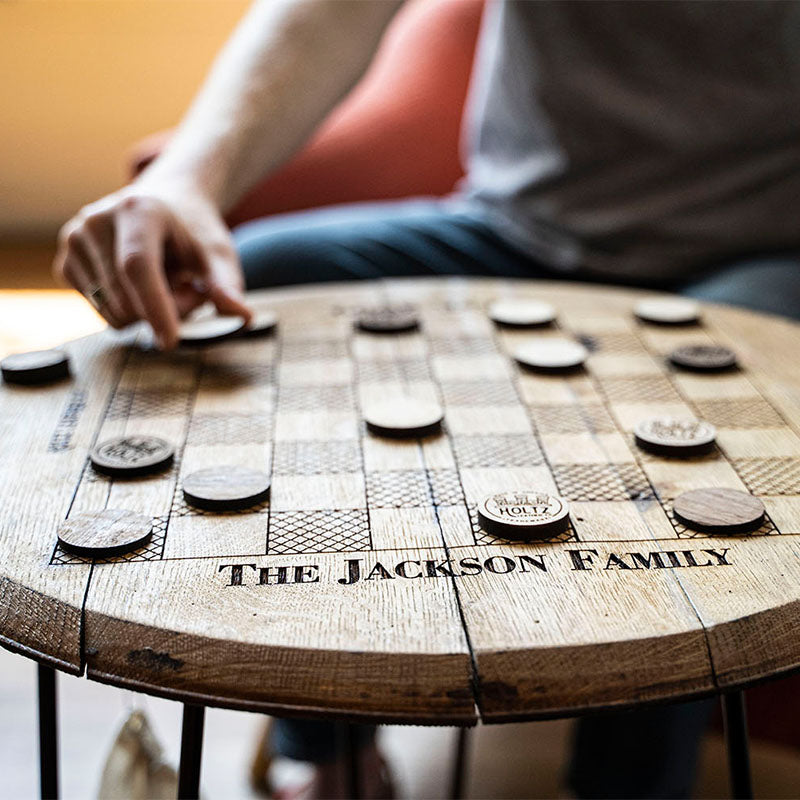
[430, 237]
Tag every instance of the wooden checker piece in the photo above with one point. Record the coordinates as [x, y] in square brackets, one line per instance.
[668, 310]
[105, 533]
[523, 514]
[403, 417]
[36, 367]
[208, 330]
[521, 313]
[551, 355]
[668, 436]
[719, 510]
[263, 323]
[226, 488]
[703, 357]
[387, 319]
[132, 456]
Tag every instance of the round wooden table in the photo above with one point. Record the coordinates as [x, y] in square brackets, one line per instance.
[365, 588]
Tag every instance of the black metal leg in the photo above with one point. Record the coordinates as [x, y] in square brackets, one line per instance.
[459, 765]
[351, 750]
[734, 719]
[191, 752]
[48, 733]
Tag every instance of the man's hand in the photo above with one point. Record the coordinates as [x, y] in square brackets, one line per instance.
[158, 248]
[151, 252]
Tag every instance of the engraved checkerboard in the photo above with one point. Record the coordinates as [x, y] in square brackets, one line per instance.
[365, 585]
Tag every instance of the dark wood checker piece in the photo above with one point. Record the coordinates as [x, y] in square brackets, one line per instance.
[365, 587]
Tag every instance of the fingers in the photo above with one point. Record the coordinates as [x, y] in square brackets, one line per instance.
[99, 245]
[134, 257]
[224, 279]
[85, 261]
[74, 265]
[188, 297]
[139, 260]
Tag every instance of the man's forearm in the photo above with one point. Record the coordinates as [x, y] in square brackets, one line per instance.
[288, 63]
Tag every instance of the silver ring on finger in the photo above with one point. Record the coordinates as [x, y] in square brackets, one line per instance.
[96, 297]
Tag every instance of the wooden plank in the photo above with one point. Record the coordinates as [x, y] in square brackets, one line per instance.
[383, 647]
[46, 433]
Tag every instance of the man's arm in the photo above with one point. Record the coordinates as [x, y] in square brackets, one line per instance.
[288, 63]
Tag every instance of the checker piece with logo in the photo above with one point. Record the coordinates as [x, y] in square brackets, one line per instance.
[523, 514]
[668, 436]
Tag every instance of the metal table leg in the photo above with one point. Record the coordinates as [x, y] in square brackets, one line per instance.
[191, 752]
[48, 733]
[353, 778]
[734, 718]
[457, 779]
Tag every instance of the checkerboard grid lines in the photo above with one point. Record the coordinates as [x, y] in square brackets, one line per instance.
[407, 369]
[587, 482]
[338, 531]
[313, 349]
[769, 476]
[482, 537]
[223, 376]
[152, 551]
[462, 346]
[764, 476]
[398, 489]
[148, 403]
[316, 457]
[740, 413]
[640, 389]
[768, 527]
[142, 359]
[479, 393]
[231, 428]
[572, 418]
[445, 487]
[612, 343]
[335, 397]
[497, 450]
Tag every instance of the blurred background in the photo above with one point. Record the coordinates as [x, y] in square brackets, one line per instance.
[81, 81]
[83, 85]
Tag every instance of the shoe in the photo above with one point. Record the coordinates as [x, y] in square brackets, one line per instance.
[282, 779]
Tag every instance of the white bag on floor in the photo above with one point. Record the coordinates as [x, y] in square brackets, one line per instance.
[135, 769]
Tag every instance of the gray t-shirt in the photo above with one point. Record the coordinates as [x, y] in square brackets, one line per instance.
[638, 139]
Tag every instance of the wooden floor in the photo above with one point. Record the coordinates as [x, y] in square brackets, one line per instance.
[510, 761]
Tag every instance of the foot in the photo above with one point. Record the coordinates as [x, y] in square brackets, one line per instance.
[330, 781]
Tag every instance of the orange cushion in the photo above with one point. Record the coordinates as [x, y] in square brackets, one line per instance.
[395, 135]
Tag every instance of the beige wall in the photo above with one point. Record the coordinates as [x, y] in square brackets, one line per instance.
[80, 81]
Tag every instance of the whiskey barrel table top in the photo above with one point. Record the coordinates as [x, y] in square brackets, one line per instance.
[365, 586]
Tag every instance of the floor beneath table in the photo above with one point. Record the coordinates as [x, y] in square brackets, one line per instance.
[509, 761]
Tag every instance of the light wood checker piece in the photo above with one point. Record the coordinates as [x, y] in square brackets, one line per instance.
[626, 606]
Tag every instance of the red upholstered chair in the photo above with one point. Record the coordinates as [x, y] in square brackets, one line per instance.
[395, 135]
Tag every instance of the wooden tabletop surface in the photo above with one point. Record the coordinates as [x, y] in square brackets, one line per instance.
[365, 587]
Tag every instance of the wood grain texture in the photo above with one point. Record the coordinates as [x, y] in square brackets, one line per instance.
[365, 587]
